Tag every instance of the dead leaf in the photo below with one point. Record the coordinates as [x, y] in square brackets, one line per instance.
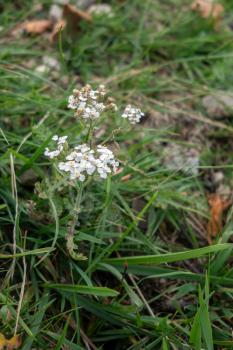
[2, 341]
[217, 206]
[126, 178]
[209, 10]
[70, 20]
[11, 344]
[73, 16]
[36, 26]
[119, 171]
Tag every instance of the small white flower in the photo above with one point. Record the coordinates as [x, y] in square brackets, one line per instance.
[88, 103]
[72, 102]
[133, 114]
[71, 156]
[60, 146]
[61, 140]
[76, 175]
[51, 154]
[83, 161]
[83, 148]
[82, 177]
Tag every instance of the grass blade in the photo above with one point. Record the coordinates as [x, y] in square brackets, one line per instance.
[169, 257]
[29, 252]
[88, 290]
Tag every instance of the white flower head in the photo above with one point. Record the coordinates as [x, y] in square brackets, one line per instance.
[106, 162]
[83, 161]
[88, 104]
[133, 114]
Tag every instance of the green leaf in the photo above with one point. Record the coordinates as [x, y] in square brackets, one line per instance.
[89, 290]
[170, 257]
[85, 237]
[165, 345]
[195, 334]
[201, 327]
[62, 337]
[133, 296]
[36, 320]
[39, 151]
[29, 252]
[70, 345]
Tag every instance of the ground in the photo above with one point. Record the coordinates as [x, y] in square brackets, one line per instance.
[157, 235]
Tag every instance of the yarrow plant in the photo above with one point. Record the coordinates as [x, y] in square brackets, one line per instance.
[87, 159]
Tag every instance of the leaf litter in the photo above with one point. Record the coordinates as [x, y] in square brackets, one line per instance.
[208, 9]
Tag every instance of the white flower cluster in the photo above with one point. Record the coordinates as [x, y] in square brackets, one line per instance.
[60, 141]
[83, 161]
[133, 114]
[106, 162]
[88, 103]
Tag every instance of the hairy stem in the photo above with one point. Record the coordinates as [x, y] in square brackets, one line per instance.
[71, 246]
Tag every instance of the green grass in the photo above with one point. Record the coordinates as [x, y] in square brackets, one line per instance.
[150, 281]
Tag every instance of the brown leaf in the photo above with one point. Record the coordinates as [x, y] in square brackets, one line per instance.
[2, 341]
[73, 16]
[126, 178]
[11, 344]
[36, 26]
[209, 10]
[119, 171]
[217, 206]
[70, 20]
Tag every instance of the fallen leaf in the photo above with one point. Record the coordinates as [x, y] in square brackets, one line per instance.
[70, 20]
[73, 16]
[36, 26]
[209, 10]
[119, 171]
[126, 178]
[2, 341]
[217, 206]
[11, 344]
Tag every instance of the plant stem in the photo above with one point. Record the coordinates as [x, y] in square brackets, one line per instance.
[76, 210]
[70, 245]
[89, 134]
